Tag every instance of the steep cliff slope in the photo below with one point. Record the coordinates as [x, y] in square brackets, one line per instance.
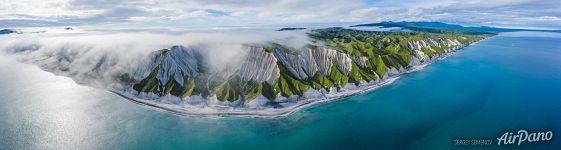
[339, 57]
[268, 77]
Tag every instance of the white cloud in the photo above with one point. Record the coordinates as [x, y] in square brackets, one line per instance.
[267, 12]
[84, 48]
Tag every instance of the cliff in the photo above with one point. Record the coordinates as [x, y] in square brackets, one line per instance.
[271, 78]
[276, 72]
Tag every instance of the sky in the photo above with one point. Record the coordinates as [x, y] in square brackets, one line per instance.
[541, 14]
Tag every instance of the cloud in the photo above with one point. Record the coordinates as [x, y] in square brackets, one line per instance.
[181, 13]
[76, 53]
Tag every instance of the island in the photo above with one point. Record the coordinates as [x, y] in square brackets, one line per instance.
[290, 29]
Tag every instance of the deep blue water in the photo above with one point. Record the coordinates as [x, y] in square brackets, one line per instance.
[503, 84]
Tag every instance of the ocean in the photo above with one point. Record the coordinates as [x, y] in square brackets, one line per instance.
[503, 84]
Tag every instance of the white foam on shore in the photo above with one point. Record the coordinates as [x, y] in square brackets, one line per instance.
[197, 105]
[289, 105]
[213, 108]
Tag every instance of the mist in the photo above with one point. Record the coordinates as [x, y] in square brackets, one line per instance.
[76, 53]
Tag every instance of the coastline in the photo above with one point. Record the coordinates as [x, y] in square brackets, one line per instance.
[270, 112]
[259, 113]
[289, 106]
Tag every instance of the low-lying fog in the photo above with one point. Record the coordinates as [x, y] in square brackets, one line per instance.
[80, 50]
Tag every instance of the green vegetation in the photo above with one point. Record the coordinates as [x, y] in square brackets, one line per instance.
[444, 28]
[383, 50]
[149, 84]
[438, 27]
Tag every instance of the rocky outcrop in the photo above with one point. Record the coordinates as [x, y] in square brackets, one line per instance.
[343, 62]
[360, 60]
[177, 63]
[323, 57]
[259, 66]
[420, 55]
[432, 42]
[308, 61]
[292, 63]
[429, 44]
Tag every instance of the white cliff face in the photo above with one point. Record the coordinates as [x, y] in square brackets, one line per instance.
[454, 42]
[343, 63]
[309, 61]
[292, 63]
[259, 66]
[416, 46]
[323, 57]
[360, 61]
[420, 55]
[429, 43]
[177, 63]
[432, 42]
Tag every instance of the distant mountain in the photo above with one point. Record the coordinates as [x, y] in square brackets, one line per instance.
[7, 31]
[288, 29]
[440, 27]
[20, 31]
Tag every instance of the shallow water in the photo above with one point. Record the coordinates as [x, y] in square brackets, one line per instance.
[503, 84]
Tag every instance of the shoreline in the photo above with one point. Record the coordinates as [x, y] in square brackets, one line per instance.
[269, 112]
[278, 113]
[292, 107]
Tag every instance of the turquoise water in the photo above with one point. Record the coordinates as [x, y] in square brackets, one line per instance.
[503, 84]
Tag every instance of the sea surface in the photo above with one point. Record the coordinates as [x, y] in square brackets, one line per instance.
[503, 84]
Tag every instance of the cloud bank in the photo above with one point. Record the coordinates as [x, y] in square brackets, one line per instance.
[88, 55]
[193, 13]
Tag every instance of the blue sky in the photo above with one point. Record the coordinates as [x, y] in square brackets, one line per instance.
[192, 13]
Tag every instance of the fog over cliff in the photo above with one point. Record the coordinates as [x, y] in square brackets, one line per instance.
[77, 52]
[229, 71]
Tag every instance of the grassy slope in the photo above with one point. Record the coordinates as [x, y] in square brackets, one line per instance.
[383, 50]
